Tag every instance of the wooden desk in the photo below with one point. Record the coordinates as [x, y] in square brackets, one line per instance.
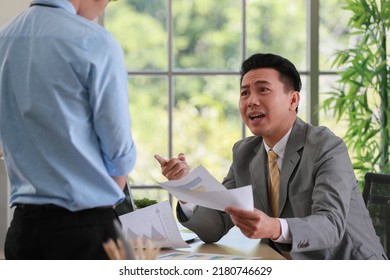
[235, 244]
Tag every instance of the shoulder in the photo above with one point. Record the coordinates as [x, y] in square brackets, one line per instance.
[319, 144]
[248, 144]
[321, 135]
[96, 46]
[304, 134]
[314, 140]
[95, 36]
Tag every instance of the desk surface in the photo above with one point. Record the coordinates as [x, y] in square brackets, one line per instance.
[234, 244]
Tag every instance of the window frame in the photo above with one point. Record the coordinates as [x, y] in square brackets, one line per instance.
[312, 73]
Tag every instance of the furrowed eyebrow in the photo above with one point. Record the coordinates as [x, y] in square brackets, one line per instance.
[262, 82]
[259, 82]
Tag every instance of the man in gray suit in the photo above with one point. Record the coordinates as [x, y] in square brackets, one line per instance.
[320, 212]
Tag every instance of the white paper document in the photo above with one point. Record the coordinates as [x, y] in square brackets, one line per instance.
[155, 222]
[201, 188]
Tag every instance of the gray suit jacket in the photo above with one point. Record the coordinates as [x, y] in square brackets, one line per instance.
[319, 197]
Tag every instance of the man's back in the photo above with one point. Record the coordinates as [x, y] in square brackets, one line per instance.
[60, 89]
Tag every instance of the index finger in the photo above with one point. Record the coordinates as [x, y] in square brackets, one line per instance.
[161, 160]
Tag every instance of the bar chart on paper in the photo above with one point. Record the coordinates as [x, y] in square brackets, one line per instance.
[154, 235]
[199, 187]
[155, 222]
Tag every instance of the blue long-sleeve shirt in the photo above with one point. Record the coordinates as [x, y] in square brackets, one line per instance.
[64, 117]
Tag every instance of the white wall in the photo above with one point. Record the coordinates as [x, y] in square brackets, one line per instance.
[9, 9]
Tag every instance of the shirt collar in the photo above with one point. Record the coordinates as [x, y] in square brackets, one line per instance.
[279, 147]
[63, 4]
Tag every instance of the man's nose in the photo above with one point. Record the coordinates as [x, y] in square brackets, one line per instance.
[253, 100]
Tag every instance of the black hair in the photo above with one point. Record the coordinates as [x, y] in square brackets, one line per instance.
[288, 73]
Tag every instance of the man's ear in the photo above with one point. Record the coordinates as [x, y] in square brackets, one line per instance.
[294, 100]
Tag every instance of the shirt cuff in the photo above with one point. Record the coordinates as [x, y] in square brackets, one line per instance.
[188, 209]
[121, 166]
[285, 237]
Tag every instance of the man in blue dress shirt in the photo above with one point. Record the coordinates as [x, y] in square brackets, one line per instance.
[65, 129]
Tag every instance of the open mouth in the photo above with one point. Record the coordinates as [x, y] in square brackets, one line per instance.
[257, 116]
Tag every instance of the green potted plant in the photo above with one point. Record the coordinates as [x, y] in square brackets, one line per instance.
[362, 95]
[144, 202]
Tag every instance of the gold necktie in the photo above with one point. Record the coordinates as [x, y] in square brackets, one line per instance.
[275, 180]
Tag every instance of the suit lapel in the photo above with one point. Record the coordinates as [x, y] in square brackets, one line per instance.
[291, 159]
[259, 166]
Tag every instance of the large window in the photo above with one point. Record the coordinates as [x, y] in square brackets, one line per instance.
[183, 59]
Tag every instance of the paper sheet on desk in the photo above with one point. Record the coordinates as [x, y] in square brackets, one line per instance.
[201, 188]
[155, 222]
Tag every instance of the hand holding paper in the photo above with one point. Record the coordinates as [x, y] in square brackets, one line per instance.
[201, 188]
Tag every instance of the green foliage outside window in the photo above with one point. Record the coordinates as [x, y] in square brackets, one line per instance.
[206, 37]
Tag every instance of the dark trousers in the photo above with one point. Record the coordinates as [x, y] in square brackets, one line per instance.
[49, 232]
